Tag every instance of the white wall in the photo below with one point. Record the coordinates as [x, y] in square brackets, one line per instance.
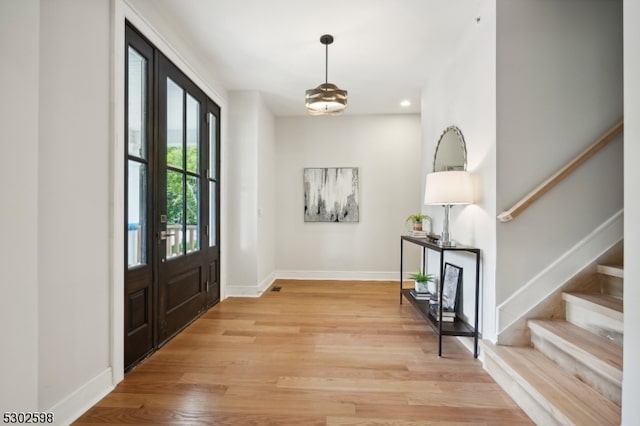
[386, 149]
[462, 93]
[267, 190]
[559, 87]
[73, 197]
[631, 377]
[242, 183]
[19, 48]
[250, 185]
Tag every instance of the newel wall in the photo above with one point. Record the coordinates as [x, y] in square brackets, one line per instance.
[631, 378]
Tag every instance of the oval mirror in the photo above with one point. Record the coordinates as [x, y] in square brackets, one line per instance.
[451, 151]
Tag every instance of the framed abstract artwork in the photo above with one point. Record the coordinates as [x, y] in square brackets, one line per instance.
[331, 194]
[450, 285]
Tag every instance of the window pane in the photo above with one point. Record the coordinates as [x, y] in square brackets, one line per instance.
[193, 214]
[175, 213]
[212, 214]
[137, 213]
[213, 143]
[174, 124]
[137, 103]
[193, 134]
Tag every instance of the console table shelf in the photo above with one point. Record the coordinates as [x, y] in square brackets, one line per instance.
[442, 328]
[455, 328]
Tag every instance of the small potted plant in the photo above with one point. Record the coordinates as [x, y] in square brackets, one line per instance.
[421, 281]
[417, 219]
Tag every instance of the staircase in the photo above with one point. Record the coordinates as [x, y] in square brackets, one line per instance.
[572, 372]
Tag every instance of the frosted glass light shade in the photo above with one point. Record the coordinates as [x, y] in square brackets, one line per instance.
[454, 187]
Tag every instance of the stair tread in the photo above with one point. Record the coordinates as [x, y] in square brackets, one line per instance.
[565, 396]
[599, 352]
[612, 270]
[603, 301]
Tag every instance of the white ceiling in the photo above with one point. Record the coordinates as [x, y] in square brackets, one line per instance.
[384, 50]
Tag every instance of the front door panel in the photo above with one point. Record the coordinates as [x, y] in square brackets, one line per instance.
[182, 265]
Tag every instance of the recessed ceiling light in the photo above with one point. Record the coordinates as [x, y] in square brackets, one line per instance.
[405, 103]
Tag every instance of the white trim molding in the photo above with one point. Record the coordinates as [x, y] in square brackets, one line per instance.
[553, 277]
[243, 291]
[337, 275]
[83, 398]
[261, 287]
[266, 283]
[250, 290]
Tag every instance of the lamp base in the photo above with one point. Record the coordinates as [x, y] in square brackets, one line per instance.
[445, 239]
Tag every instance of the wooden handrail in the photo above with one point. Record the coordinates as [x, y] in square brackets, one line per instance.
[531, 197]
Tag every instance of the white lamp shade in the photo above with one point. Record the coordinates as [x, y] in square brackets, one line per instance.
[453, 187]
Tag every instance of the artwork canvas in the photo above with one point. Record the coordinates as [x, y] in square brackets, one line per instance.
[450, 284]
[331, 194]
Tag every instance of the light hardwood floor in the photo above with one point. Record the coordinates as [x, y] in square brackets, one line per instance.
[337, 353]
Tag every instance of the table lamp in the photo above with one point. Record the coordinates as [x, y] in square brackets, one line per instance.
[447, 189]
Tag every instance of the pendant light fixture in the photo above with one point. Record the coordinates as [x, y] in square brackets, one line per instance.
[326, 99]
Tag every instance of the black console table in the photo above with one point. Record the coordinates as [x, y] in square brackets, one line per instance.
[458, 327]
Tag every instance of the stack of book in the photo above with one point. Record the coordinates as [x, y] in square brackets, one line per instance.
[418, 295]
[448, 315]
[417, 234]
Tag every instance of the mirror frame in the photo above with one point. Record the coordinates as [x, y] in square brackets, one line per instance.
[458, 133]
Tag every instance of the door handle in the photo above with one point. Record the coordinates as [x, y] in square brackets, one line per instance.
[164, 235]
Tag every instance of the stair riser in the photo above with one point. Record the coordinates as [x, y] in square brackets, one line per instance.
[606, 386]
[537, 412]
[612, 285]
[595, 322]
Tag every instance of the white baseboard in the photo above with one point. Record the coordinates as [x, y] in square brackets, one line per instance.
[86, 396]
[261, 287]
[249, 290]
[467, 342]
[266, 283]
[242, 291]
[337, 275]
[552, 278]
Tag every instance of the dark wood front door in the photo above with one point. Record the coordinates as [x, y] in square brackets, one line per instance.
[183, 207]
[172, 174]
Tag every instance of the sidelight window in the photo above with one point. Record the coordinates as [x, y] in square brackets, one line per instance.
[137, 164]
